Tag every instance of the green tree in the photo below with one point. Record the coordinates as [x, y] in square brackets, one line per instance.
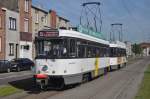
[136, 49]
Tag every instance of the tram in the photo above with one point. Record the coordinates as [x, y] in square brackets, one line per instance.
[65, 57]
[117, 55]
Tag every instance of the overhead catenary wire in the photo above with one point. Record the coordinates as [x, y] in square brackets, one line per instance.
[132, 16]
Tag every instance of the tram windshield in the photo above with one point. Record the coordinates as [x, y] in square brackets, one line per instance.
[53, 48]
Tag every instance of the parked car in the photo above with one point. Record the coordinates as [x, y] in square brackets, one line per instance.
[21, 64]
[5, 66]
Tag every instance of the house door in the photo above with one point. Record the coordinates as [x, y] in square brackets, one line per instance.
[16, 54]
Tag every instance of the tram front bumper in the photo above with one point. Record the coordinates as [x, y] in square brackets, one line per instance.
[41, 79]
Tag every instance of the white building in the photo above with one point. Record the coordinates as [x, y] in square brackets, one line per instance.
[128, 48]
[40, 21]
[62, 22]
[146, 49]
[12, 34]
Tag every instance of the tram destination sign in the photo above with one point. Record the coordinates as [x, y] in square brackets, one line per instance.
[48, 33]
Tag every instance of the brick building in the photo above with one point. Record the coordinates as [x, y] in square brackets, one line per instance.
[58, 22]
[23, 7]
[11, 34]
[40, 21]
[2, 33]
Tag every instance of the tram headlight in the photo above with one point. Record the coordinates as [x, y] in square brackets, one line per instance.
[45, 68]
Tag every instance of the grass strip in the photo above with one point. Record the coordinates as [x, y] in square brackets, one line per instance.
[144, 91]
[8, 90]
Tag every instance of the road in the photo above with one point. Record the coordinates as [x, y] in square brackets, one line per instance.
[120, 84]
[5, 78]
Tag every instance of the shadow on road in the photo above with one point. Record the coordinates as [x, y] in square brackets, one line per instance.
[27, 85]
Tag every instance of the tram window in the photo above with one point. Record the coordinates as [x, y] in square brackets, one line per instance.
[72, 48]
[103, 52]
[116, 52]
[92, 51]
[89, 52]
[111, 52]
[63, 48]
[81, 51]
[97, 52]
[107, 52]
[54, 48]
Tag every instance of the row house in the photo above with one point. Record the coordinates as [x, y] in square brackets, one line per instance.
[40, 21]
[9, 34]
[2, 34]
[17, 40]
[43, 19]
[62, 22]
[25, 28]
[20, 22]
[58, 22]
[146, 48]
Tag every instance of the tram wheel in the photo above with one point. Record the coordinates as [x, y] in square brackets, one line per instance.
[86, 77]
[119, 66]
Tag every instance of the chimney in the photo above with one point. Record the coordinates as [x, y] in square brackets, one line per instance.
[53, 18]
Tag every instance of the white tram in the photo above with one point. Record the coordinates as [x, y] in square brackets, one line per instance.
[117, 55]
[65, 57]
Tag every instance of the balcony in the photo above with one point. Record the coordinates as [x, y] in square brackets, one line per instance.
[25, 36]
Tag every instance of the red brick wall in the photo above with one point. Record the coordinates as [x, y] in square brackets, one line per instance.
[53, 19]
[2, 34]
[24, 15]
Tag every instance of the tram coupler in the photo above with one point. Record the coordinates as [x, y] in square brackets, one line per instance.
[41, 80]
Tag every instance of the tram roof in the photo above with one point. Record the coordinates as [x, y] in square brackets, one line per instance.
[117, 44]
[76, 34]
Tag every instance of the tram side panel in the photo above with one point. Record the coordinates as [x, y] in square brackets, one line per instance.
[71, 70]
[114, 62]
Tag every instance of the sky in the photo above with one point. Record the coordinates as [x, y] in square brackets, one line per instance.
[133, 14]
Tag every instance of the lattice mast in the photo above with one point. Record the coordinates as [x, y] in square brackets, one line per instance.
[91, 17]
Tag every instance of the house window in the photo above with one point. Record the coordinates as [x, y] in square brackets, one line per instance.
[11, 49]
[26, 25]
[0, 21]
[37, 17]
[45, 19]
[12, 23]
[26, 5]
[0, 44]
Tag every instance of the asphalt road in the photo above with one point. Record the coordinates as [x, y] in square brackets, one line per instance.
[5, 78]
[120, 84]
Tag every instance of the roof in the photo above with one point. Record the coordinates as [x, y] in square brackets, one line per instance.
[144, 45]
[10, 4]
[112, 45]
[39, 8]
[71, 33]
[63, 18]
[59, 16]
[118, 44]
